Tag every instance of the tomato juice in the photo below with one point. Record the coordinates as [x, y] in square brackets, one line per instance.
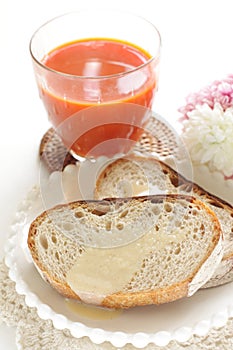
[97, 72]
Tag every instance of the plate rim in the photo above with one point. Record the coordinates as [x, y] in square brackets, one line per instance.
[78, 330]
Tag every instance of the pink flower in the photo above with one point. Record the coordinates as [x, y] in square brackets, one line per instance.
[220, 91]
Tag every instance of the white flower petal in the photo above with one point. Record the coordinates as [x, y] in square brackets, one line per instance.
[208, 134]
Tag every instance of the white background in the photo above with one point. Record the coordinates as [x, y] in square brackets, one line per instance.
[197, 48]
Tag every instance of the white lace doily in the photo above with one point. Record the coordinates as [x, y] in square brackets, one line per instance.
[32, 333]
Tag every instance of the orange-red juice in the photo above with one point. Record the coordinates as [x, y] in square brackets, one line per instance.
[95, 72]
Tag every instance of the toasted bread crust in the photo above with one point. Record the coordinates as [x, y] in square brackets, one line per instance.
[220, 277]
[176, 179]
[125, 299]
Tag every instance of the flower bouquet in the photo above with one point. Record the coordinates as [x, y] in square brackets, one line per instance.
[207, 121]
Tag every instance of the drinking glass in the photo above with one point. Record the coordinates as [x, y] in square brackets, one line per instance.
[97, 112]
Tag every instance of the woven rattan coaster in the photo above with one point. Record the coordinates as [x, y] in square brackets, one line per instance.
[53, 153]
[159, 140]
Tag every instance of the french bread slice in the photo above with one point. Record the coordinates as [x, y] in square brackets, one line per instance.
[121, 253]
[132, 175]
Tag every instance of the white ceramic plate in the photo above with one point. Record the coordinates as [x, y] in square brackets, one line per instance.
[139, 326]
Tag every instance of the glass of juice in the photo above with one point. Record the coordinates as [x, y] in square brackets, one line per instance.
[97, 74]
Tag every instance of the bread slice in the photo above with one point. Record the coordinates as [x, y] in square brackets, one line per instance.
[120, 253]
[132, 175]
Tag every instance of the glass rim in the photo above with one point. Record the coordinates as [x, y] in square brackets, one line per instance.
[98, 77]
